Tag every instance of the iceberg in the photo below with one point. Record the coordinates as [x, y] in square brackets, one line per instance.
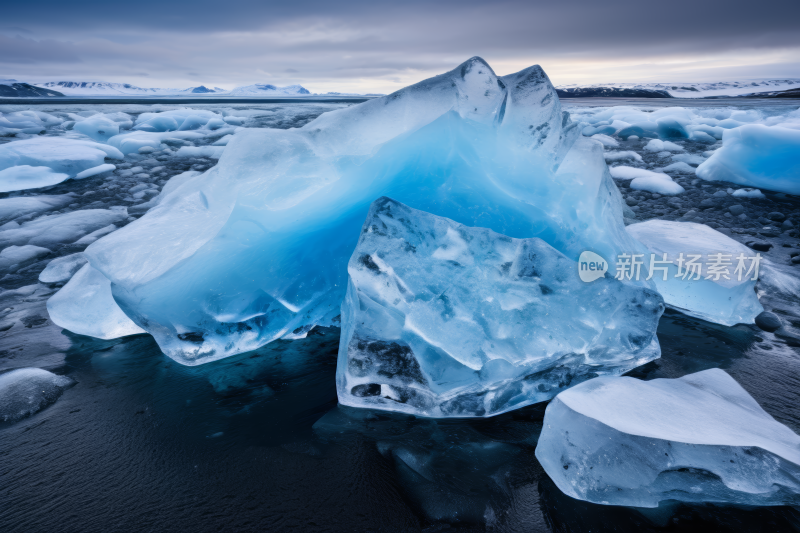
[757, 156]
[699, 438]
[26, 391]
[727, 298]
[444, 320]
[256, 248]
[85, 306]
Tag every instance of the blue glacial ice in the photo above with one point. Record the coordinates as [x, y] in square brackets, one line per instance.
[723, 301]
[26, 391]
[699, 438]
[256, 248]
[756, 155]
[445, 320]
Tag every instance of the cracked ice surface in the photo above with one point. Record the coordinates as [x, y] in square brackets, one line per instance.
[443, 320]
[256, 248]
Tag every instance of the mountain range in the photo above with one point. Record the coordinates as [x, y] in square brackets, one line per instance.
[768, 88]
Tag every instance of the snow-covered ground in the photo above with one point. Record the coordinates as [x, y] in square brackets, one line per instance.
[703, 90]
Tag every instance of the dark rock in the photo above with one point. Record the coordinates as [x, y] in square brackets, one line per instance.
[776, 216]
[768, 321]
[631, 201]
[796, 260]
[759, 246]
[736, 210]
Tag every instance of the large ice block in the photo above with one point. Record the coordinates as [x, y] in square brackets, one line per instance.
[756, 155]
[444, 320]
[256, 249]
[727, 297]
[699, 438]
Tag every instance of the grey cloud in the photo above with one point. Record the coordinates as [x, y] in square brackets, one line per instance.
[369, 40]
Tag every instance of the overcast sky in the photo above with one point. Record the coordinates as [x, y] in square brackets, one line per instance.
[374, 46]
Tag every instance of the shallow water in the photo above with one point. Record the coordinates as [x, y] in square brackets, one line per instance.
[258, 442]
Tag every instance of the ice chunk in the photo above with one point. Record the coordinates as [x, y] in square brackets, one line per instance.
[11, 208]
[86, 240]
[724, 301]
[702, 136]
[24, 177]
[175, 120]
[98, 127]
[657, 145]
[748, 193]
[62, 269]
[85, 306]
[691, 159]
[679, 167]
[88, 173]
[444, 320]
[757, 156]
[66, 156]
[135, 141]
[214, 152]
[28, 121]
[51, 230]
[26, 391]
[646, 180]
[13, 258]
[699, 438]
[605, 140]
[256, 248]
[618, 156]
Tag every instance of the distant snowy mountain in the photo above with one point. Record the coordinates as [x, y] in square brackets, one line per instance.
[699, 90]
[265, 89]
[101, 88]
